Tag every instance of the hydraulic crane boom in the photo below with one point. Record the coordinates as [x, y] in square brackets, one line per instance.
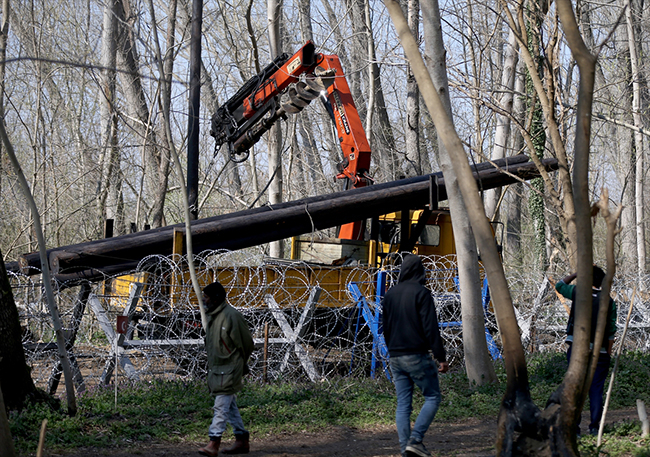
[304, 76]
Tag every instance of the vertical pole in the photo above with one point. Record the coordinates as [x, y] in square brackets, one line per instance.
[177, 280]
[194, 109]
[108, 228]
[405, 229]
[116, 369]
[266, 351]
[108, 233]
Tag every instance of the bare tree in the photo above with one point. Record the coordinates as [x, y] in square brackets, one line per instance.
[163, 162]
[545, 93]
[110, 179]
[413, 159]
[552, 431]
[502, 134]
[47, 280]
[4, 32]
[638, 138]
[513, 229]
[477, 359]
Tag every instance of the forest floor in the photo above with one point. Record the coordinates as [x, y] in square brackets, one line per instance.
[469, 438]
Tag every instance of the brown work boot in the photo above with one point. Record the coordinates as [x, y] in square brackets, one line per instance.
[241, 445]
[212, 449]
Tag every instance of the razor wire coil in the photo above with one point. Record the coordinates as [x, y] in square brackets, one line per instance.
[165, 337]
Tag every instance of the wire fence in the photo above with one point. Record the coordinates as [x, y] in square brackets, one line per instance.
[309, 321]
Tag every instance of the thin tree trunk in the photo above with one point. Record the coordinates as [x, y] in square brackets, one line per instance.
[413, 164]
[564, 206]
[131, 85]
[274, 11]
[502, 133]
[576, 379]
[638, 140]
[305, 124]
[109, 180]
[4, 33]
[513, 233]
[163, 168]
[477, 358]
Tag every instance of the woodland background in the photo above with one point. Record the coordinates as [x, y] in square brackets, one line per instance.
[87, 85]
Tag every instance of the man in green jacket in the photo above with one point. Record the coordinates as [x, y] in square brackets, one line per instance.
[568, 290]
[229, 344]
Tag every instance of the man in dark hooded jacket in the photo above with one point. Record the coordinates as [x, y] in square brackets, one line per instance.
[229, 344]
[411, 330]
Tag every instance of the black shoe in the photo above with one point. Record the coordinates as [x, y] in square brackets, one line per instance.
[416, 448]
[593, 431]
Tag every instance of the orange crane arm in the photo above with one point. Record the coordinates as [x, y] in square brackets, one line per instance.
[245, 117]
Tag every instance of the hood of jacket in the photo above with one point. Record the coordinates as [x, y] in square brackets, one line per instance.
[216, 310]
[412, 270]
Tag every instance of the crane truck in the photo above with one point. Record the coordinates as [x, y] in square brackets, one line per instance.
[284, 87]
[288, 85]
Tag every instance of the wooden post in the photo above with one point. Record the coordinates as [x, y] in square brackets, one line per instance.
[108, 228]
[405, 229]
[177, 276]
[266, 352]
[108, 233]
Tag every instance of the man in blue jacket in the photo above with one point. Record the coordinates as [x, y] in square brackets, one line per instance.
[568, 290]
[411, 331]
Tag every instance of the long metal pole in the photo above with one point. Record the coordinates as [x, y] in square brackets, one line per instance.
[194, 110]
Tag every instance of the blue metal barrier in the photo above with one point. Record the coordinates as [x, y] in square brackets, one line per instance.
[379, 349]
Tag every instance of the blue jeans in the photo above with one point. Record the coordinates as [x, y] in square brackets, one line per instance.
[597, 389]
[410, 370]
[225, 411]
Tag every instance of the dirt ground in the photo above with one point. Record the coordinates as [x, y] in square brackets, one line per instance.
[470, 438]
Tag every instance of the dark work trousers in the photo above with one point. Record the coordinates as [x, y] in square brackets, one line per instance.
[596, 389]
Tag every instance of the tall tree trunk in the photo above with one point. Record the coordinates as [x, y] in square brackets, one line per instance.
[570, 393]
[210, 99]
[502, 134]
[413, 163]
[626, 172]
[536, 205]
[513, 234]
[4, 33]
[136, 99]
[477, 358]
[305, 124]
[561, 199]
[473, 70]
[380, 133]
[638, 139]
[109, 184]
[274, 11]
[163, 166]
